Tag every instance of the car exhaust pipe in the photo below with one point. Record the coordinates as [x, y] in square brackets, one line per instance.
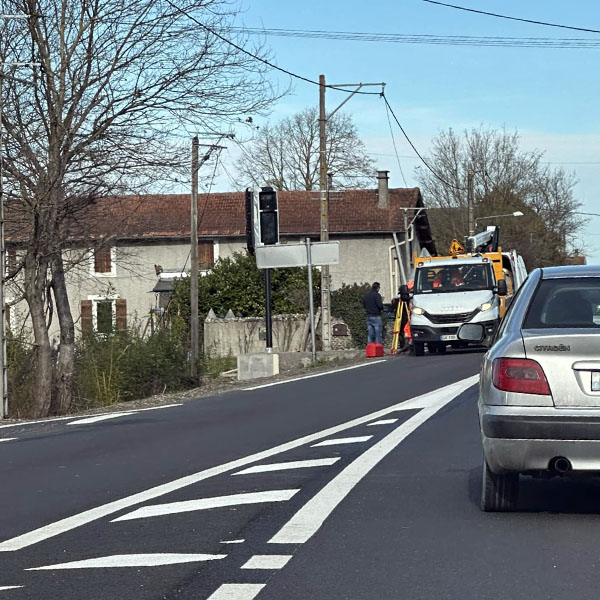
[560, 465]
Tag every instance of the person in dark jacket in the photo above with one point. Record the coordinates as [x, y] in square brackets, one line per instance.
[373, 303]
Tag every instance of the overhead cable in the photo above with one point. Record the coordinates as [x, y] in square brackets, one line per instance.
[435, 173]
[407, 38]
[259, 58]
[490, 14]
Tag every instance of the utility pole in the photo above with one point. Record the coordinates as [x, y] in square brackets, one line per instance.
[325, 293]
[323, 118]
[194, 324]
[470, 176]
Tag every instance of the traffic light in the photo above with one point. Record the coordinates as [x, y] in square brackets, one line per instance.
[269, 220]
[249, 221]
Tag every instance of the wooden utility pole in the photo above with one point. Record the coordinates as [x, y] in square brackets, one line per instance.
[325, 293]
[194, 261]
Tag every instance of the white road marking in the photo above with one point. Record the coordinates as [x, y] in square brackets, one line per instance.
[232, 541]
[283, 466]
[237, 591]
[172, 508]
[265, 385]
[382, 422]
[351, 440]
[8, 439]
[10, 587]
[131, 560]
[69, 523]
[98, 418]
[42, 421]
[267, 561]
[312, 515]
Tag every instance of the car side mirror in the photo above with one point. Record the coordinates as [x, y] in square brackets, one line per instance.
[471, 332]
[404, 293]
[502, 288]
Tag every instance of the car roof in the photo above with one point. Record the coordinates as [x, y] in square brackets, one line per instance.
[571, 271]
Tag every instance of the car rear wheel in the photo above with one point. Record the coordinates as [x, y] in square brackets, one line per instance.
[419, 348]
[499, 492]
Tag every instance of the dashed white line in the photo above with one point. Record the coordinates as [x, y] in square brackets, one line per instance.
[267, 561]
[8, 439]
[359, 439]
[232, 541]
[382, 422]
[304, 524]
[171, 508]
[69, 523]
[283, 466]
[131, 560]
[265, 385]
[237, 591]
[98, 418]
[10, 587]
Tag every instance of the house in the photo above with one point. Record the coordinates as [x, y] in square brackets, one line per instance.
[149, 244]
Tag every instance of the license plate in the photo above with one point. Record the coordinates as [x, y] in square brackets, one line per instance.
[595, 381]
[451, 338]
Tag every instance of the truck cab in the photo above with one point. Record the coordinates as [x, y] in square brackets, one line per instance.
[450, 292]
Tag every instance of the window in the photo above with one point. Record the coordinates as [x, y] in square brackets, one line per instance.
[565, 303]
[102, 262]
[103, 314]
[454, 278]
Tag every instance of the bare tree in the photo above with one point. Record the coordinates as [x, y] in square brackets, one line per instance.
[286, 154]
[116, 80]
[506, 179]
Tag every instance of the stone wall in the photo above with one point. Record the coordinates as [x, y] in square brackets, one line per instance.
[233, 336]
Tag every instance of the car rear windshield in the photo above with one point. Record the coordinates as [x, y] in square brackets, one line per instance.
[454, 278]
[565, 303]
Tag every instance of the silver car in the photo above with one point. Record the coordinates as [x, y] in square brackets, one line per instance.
[539, 399]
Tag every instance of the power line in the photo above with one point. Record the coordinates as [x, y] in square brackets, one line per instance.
[489, 14]
[259, 58]
[405, 38]
[387, 112]
[415, 149]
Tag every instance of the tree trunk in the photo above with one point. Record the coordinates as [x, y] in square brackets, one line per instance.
[62, 396]
[35, 288]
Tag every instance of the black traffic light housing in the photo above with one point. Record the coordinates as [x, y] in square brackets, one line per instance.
[249, 221]
[268, 215]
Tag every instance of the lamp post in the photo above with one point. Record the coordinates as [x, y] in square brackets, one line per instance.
[517, 213]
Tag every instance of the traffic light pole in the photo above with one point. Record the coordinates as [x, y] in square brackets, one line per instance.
[324, 201]
[268, 319]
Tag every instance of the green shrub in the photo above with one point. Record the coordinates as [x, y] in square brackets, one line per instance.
[20, 375]
[346, 304]
[126, 366]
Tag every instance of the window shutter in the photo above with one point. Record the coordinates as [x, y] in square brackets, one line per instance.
[87, 323]
[102, 261]
[206, 255]
[121, 308]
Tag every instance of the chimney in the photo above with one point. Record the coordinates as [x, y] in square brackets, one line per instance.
[383, 190]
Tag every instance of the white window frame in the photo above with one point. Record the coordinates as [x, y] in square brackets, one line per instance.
[113, 264]
[95, 300]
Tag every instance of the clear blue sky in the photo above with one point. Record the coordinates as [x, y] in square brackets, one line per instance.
[550, 96]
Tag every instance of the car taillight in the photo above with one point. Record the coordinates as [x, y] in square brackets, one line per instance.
[520, 375]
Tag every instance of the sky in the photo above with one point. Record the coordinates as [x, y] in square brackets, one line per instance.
[549, 95]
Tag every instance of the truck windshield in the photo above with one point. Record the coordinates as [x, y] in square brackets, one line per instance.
[453, 278]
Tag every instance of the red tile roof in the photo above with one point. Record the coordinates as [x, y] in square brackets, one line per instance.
[161, 216]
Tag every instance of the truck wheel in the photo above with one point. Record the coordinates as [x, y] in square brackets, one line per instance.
[498, 492]
[419, 348]
[441, 348]
[432, 347]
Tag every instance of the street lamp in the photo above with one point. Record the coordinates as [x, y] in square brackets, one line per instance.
[517, 213]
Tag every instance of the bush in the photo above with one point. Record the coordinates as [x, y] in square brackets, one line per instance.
[346, 304]
[236, 284]
[20, 363]
[126, 366]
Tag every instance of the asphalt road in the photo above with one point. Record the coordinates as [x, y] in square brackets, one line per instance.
[176, 502]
